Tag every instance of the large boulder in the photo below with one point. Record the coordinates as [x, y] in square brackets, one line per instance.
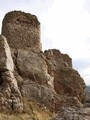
[22, 30]
[68, 82]
[32, 66]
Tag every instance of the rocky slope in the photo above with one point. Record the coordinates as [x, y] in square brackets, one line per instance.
[36, 85]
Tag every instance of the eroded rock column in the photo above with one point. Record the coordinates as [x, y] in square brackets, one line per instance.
[10, 96]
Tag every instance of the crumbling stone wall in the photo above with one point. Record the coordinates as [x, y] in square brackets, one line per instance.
[22, 30]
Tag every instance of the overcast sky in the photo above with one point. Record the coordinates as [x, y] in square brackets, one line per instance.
[65, 25]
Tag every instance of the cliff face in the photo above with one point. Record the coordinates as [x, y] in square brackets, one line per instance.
[34, 83]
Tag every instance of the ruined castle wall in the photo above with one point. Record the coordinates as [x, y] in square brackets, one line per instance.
[22, 30]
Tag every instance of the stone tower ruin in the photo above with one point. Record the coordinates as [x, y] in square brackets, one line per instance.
[22, 30]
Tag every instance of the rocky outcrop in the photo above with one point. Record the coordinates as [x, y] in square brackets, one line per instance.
[87, 98]
[57, 58]
[68, 113]
[6, 62]
[30, 76]
[22, 30]
[66, 80]
[10, 96]
[32, 66]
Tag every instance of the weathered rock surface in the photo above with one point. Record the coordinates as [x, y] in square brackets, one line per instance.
[10, 96]
[35, 71]
[28, 75]
[69, 83]
[87, 98]
[68, 113]
[66, 80]
[6, 62]
[43, 95]
[33, 66]
[22, 30]
[58, 59]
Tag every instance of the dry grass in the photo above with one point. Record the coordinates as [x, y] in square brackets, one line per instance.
[32, 111]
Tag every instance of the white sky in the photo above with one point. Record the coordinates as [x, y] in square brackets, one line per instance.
[65, 25]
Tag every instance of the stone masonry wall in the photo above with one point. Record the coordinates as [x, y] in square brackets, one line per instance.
[22, 30]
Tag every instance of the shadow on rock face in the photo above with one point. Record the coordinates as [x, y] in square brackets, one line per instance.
[1, 80]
